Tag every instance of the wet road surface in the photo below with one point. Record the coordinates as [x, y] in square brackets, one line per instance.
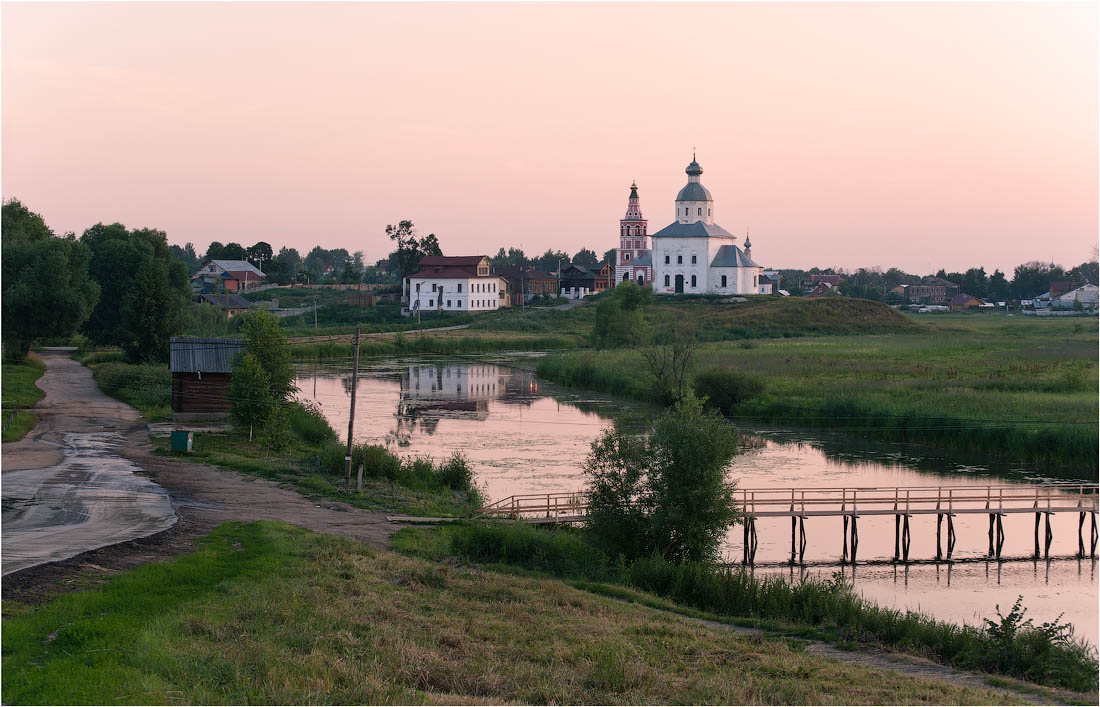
[91, 499]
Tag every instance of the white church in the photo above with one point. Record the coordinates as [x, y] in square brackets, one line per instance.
[692, 255]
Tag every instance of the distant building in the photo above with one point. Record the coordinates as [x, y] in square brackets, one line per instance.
[811, 281]
[454, 284]
[578, 281]
[769, 282]
[525, 283]
[1084, 296]
[961, 303]
[823, 289]
[228, 302]
[1059, 288]
[931, 290]
[227, 276]
[201, 372]
[633, 259]
[694, 255]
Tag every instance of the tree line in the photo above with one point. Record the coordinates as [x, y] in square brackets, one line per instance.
[1029, 280]
[116, 286]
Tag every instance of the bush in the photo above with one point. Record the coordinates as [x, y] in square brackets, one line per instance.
[724, 388]
[148, 387]
[455, 473]
[309, 423]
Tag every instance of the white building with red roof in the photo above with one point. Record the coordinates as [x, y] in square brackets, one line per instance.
[449, 283]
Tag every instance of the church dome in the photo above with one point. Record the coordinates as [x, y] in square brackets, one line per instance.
[694, 169]
[694, 191]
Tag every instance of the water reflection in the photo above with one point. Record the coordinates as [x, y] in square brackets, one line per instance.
[523, 435]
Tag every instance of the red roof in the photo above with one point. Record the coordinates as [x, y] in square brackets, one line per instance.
[244, 275]
[452, 260]
[445, 272]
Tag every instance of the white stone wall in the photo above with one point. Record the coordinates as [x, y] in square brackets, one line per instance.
[692, 211]
[457, 294]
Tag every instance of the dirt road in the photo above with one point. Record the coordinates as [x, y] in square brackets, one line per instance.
[57, 507]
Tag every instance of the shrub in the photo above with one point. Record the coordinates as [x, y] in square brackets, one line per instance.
[455, 473]
[309, 423]
[147, 387]
[724, 388]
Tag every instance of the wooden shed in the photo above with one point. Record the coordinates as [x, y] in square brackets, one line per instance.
[201, 371]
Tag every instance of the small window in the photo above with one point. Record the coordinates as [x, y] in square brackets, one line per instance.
[431, 303]
[626, 256]
[448, 304]
[700, 211]
[666, 263]
[708, 212]
[460, 287]
[433, 287]
[666, 277]
[693, 261]
[418, 287]
[723, 281]
[693, 281]
[679, 260]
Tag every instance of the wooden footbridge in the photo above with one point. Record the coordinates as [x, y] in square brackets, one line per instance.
[902, 502]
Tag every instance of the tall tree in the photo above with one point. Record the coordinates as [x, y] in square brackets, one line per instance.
[46, 287]
[998, 286]
[259, 254]
[429, 245]
[143, 290]
[585, 256]
[548, 261]
[609, 257]
[214, 252]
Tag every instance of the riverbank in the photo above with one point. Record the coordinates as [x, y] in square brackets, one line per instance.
[20, 393]
[810, 608]
[1007, 387]
[268, 613]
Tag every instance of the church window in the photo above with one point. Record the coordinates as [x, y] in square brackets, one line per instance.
[666, 276]
[679, 260]
[708, 212]
[626, 276]
[723, 281]
[700, 211]
[666, 263]
[626, 256]
[693, 281]
[693, 260]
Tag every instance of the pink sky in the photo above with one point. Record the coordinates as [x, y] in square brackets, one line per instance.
[915, 135]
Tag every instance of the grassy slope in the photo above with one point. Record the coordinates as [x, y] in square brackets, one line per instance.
[299, 468]
[19, 391]
[1026, 388]
[272, 614]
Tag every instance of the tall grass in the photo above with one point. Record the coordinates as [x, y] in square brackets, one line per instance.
[452, 476]
[148, 387]
[1010, 646]
[1023, 392]
[402, 345]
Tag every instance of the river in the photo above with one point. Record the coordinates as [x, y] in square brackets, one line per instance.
[522, 435]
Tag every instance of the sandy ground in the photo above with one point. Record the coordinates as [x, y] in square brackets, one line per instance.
[81, 426]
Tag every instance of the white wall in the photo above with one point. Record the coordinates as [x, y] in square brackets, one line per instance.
[471, 294]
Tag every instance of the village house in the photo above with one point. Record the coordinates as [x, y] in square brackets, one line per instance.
[962, 303]
[931, 290]
[227, 276]
[231, 304]
[460, 283]
[201, 371]
[526, 283]
[577, 281]
[811, 281]
[1084, 296]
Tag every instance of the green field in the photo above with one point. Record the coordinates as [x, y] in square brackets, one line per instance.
[1021, 388]
[271, 614]
[19, 392]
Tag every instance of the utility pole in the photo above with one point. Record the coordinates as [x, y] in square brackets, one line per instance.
[351, 416]
[315, 316]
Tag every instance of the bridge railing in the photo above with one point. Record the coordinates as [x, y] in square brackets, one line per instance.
[846, 500]
[993, 498]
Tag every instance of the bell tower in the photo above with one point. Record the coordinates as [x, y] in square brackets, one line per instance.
[633, 239]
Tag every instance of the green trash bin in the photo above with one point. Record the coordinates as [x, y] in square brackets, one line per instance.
[181, 441]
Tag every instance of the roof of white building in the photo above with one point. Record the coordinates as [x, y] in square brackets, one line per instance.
[646, 258]
[730, 256]
[698, 229]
